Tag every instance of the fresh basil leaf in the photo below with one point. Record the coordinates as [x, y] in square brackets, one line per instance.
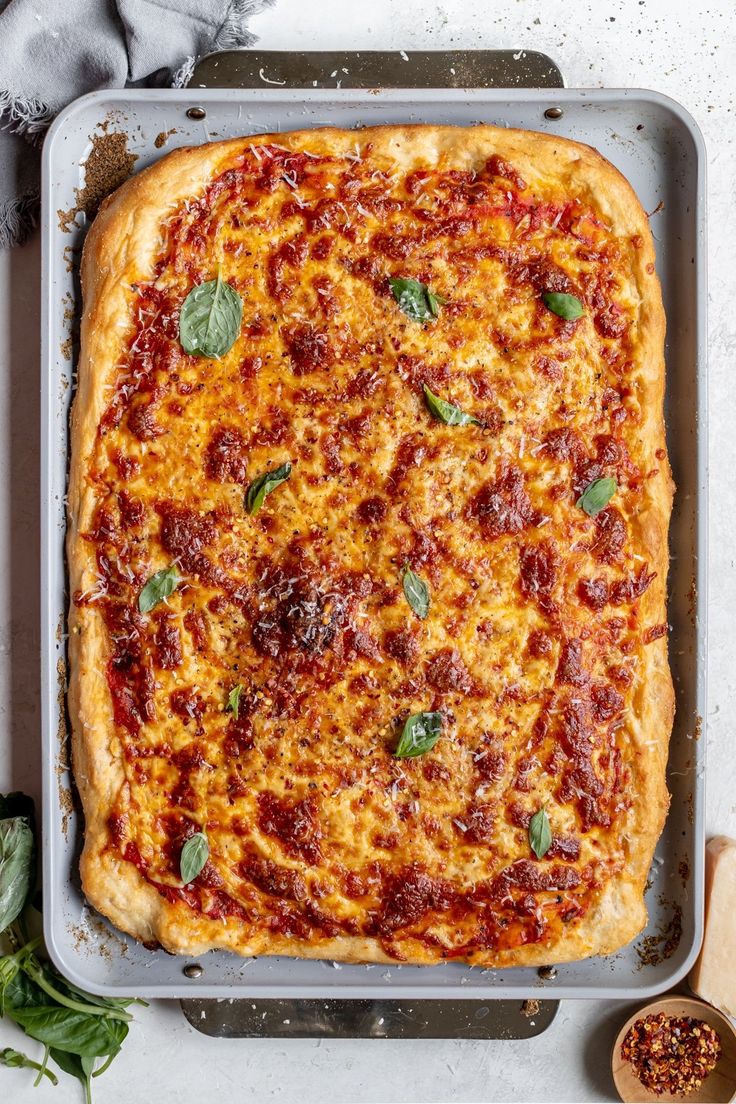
[447, 412]
[76, 1032]
[263, 486]
[540, 833]
[416, 592]
[17, 1060]
[233, 701]
[210, 317]
[17, 868]
[564, 306]
[415, 299]
[421, 732]
[69, 1063]
[194, 855]
[597, 495]
[158, 587]
[18, 991]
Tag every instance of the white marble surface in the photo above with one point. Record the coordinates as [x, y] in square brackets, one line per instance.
[685, 48]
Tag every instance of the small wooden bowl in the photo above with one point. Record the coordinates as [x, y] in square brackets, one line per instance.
[718, 1088]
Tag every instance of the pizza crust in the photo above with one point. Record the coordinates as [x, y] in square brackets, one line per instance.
[120, 249]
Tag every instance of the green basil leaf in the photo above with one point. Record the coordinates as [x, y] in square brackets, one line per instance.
[597, 495]
[263, 486]
[76, 1032]
[158, 587]
[421, 732]
[564, 306]
[17, 1060]
[540, 833]
[69, 1063]
[17, 868]
[447, 412]
[415, 299]
[416, 592]
[194, 855]
[210, 317]
[18, 991]
[233, 701]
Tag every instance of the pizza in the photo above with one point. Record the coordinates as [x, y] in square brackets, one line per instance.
[367, 544]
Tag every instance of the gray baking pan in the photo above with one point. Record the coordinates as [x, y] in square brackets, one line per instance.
[655, 143]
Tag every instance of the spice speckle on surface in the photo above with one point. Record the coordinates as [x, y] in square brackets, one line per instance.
[671, 1054]
[162, 138]
[108, 165]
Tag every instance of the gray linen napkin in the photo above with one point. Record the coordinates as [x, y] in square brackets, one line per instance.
[52, 51]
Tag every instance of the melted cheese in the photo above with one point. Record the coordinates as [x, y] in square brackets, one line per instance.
[532, 645]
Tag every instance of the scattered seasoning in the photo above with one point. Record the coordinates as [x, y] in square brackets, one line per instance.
[657, 948]
[683, 870]
[108, 165]
[671, 1054]
[162, 138]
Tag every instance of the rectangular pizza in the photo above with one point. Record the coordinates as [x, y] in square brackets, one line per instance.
[368, 517]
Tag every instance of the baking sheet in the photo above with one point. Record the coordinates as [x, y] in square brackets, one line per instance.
[657, 146]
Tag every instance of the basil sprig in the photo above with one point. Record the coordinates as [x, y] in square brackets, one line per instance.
[444, 411]
[159, 586]
[419, 735]
[564, 306]
[416, 592]
[194, 855]
[210, 317]
[540, 833]
[597, 495]
[263, 486]
[15, 1059]
[233, 701]
[76, 1028]
[415, 299]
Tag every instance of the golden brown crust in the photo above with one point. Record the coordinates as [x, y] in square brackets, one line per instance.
[120, 250]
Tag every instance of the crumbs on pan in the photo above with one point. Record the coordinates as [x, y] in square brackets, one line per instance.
[683, 870]
[162, 138]
[92, 934]
[530, 1008]
[658, 947]
[71, 255]
[108, 165]
[66, 804]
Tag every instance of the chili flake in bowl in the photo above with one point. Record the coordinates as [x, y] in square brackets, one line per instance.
[672, 1054]
[676, 1049]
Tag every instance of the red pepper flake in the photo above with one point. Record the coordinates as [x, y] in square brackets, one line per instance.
[671, 1054]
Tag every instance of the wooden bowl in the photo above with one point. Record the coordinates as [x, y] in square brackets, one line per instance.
[718, 1088]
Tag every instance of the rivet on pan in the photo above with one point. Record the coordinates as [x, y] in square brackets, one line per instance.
[547, 973]
[550, 113]
[196, 113]
[193, 971]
